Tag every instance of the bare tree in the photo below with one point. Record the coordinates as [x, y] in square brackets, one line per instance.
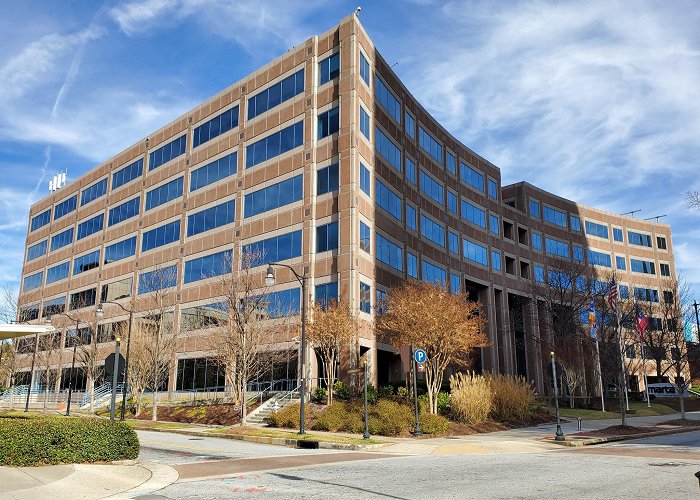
[8, 362]
[140, 365]
[333, 327]
[48, 351]
[8, 303]
[692, 199]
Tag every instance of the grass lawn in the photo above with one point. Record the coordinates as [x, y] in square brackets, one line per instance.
[31, 414]
[640, 410]
[276, 433]
[149, 424]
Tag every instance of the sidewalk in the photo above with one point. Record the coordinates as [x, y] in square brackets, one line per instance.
[84, 481]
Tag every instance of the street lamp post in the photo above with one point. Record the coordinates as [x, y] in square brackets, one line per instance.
[559, 434]
[72, 366]
[100, 313]
[269, 281]
[115, 375]
[31, 372]
[366, 434]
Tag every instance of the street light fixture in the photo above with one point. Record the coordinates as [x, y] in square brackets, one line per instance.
[99, 312]
[47, 321]
[269, 281]
[559, 434]
[366, 434]
[72, 366]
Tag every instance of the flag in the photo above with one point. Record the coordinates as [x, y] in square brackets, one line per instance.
[612, 296]
[591, 315]
[642, 322]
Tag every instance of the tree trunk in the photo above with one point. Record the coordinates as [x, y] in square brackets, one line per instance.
[91, 392]
[154, 414]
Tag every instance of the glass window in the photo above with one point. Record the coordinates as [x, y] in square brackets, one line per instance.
[365, 237]
[452, 202]
[495, 260]
[211, 218]
[646, 294]
[33, 281]
[494, 224]
[36, 251]
[617, 234]
[327, 237]
[537, 241]
[493, 189]
[274, 196]
[282, 303]
[163, 235]
[556, 247]
[215, 127]
[65, 207]
[661, 243]
[125, 211]
[93, 192]
[325, 292]
[389, 253]
[40, 220]
[157, 279]
[411, 265]
[410, 171]
[386, 199]
[364, 69]
[411, 217]
[539, 274]
[380, 304]
[430, 145]
[365, 298]
[274, 144]
[472, 177]
[86, 262]
[432, 230]
[163, 194]
[364, 123]
[473, 214]
[620, 263]
[62, 239]
[578, 253]
[166, 153]
[430, 273]
[451, 163]
[275, 249]
[387, 149]
[53, 306]
[624, 292]
[595, 229]
[554, 216]
[214, 171]
[329, 68]
[127, 174]
[386, 98]
[665, 269]
[474, 252]
[534, 209]
[410, 125]
[575, 223]
[58, 272]
[327, 179]
[432, 187]
[276, 94]
[596, 258]
[455, 283]
[208, 266]
[120, 250]
[90, 226]
[453, 242]
[365, 180]
[329, 123]
[204, 316]
[642, 266]
[634, 238]
[84, 298]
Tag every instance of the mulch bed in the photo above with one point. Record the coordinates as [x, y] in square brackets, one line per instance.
[215, 414]
[683, 423]
[459, 429]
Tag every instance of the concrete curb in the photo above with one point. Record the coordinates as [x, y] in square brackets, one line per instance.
[579, 441]
[161, 476]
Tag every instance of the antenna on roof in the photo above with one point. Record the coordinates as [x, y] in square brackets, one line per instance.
[632, 212]
[57, 182]
[358, 10]
[657, 217]
[397, 62]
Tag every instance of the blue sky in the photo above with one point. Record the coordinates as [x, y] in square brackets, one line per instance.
[597, 101]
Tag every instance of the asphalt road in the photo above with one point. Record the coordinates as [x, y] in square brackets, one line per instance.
[661, 467]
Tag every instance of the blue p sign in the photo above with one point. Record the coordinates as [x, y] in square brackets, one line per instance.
[420, 356]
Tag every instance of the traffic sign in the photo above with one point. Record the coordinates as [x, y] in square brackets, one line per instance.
[109, 368]
[421, 367]
[420, 356]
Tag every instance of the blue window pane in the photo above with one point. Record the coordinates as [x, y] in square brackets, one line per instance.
[163, 194]
[211, 218]
[327, 237]
[365, 180]
[214, 171]
[646, 294]
[57, 273]
[595, 229]
[124, 211]
[328, 123]
[387, 149]
[208, 266]
[634, 238]
[430, 145]
[578, 253]
[365, 298]
[389, 253]
[33, 281]
[575, 222]
[93, 192]
[364, 69]
[275, 196]
[387, 200]
[163, 235]
[451, 163]
[62, 239]
[65, 207]
[327, 179]
[411, 218]
[433, 274]
[617, 234]
[36, 251]
[493, 189]
[472, 177]
[452, 202]
[556, 247]
[166, 153]
[432, 187]
[599, 258]
[386, 99]
[642, 266]
[535, 209]
[537, 241]
[474, 252]
[495, 226]
[275, 144]
[496, 262]
[473, 214]
[120, 250]
[364, 123]
[158, 279]
[624, 292]
[278, 248]
[365, 237]
[90, 226]
[554, 216]
[216, 126]
[329, 68]
[620, 263]
[127, 174]
[432, 230]
[40, 220]
[453, 242]
[409, 125]
[86, 262]
[411, 265]
[410, 171]
[325, 292]
[455, 283]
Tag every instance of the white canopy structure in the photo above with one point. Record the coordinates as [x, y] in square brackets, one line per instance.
[14, 330]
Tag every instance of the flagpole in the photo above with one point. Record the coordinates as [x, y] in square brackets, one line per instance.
[646, 383]
[600, 374]
[622, 358]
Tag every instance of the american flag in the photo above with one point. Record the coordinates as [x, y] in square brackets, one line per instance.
[612, 296]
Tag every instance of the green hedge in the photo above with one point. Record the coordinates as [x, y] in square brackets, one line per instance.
[37, 441]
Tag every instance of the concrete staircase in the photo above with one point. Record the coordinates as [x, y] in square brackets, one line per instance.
[276, 402]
